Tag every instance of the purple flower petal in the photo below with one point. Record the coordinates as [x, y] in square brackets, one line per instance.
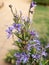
[17, 55]
[32, 33]
[21, 57]
[24, 57]
[44, 53]
[17, 26]
[47, 46]
[9, 31]
[37, 42]
[35, 56]
[32, 4]
[29, 46]
[18, 62]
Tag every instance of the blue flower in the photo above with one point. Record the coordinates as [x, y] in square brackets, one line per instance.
[21, 57]
[9, 31]
[17, 55]
[38, 48]
[44, 53]
[29, 46]
[17, 26]
[32, 33]
[18, 62]
[36, 56]
[24, 57]
[37, 42]
[32, 4]
[47, 46]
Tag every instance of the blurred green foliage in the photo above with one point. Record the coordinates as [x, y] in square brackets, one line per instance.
[41, 22]
[43, 2]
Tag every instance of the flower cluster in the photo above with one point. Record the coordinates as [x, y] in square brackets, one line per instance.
[30, 48]
[21, 58]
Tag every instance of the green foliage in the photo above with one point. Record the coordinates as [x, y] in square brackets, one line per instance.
[10, 57]
[41, 21]
[42, 2]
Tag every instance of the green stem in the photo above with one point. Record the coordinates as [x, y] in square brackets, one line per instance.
[12, 12]
[46, 62]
